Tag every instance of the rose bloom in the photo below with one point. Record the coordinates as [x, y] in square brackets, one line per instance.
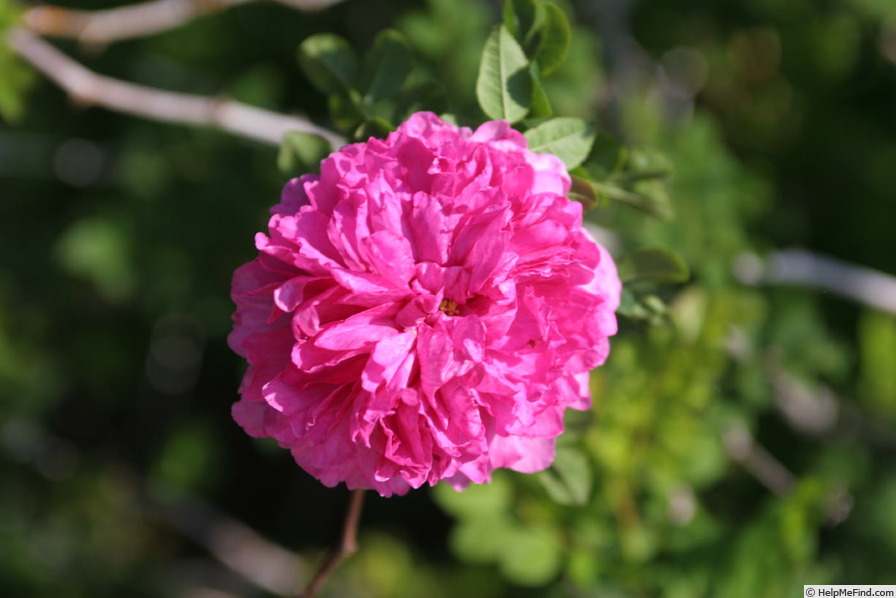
[423, 310]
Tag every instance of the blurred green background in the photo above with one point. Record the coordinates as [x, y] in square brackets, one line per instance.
[743, 445]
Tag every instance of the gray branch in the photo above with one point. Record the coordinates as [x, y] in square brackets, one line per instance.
[90, 88]
[797, 267]
[102, 27]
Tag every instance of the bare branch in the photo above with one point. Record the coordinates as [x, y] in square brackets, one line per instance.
[90, 88]
[102, 27]
[347, 546]
[239, 547]
[741, 447]
[797, 267]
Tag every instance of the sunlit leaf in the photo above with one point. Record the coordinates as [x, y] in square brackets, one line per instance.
[301, 152]
[504, 86]
[569, 139]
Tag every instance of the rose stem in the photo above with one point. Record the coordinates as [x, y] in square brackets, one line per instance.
[348, 545]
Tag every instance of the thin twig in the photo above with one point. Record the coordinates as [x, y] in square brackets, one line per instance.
[101, 27]
[347, 546]
[239, 547]
[90, 88]
[740, 446]
[797, 267]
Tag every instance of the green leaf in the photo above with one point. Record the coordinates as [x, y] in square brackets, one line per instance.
[607, 156]
[186, 460]
[479, 500]
[482, 539]
[15, 76]
[656, 264]
[654, 205]
[12, 105]
[541, 105]
[387, 66]
[504, 86]
[532, 556]
[374, 127]
[570, 139]
[301, 153]
[426, 95]
[568, 480]
[636, 176]
[345, 111]
[555, 39]
[646, 308]
[520, 17]
[877, 345]
[329, 62]
[97, 249]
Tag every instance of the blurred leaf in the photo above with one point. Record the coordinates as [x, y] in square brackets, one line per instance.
[345, 110]
[647, 308]
[555, 35]
[186, 459]
[477, 499]
[877, 346]
[504, 86]
[608, 156]
[15, 76]
[96, 249]
[482, 539]
[656, 264]
[570, 139]
[656, 205]
[10, 13]
[301, 153]
[520, 18]
[329, 62]
[627, 178]
[261, 86]
[532, 556]
[541, 105]
[568, 480]
[12, 105]
[374, 127]
[426, 95]
[646, 163]
[386, 67]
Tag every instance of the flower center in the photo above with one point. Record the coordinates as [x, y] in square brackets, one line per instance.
[449, 306]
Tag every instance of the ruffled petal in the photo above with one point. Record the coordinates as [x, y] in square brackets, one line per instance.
[423, 311]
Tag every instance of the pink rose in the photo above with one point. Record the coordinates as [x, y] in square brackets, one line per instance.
[423, 310]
